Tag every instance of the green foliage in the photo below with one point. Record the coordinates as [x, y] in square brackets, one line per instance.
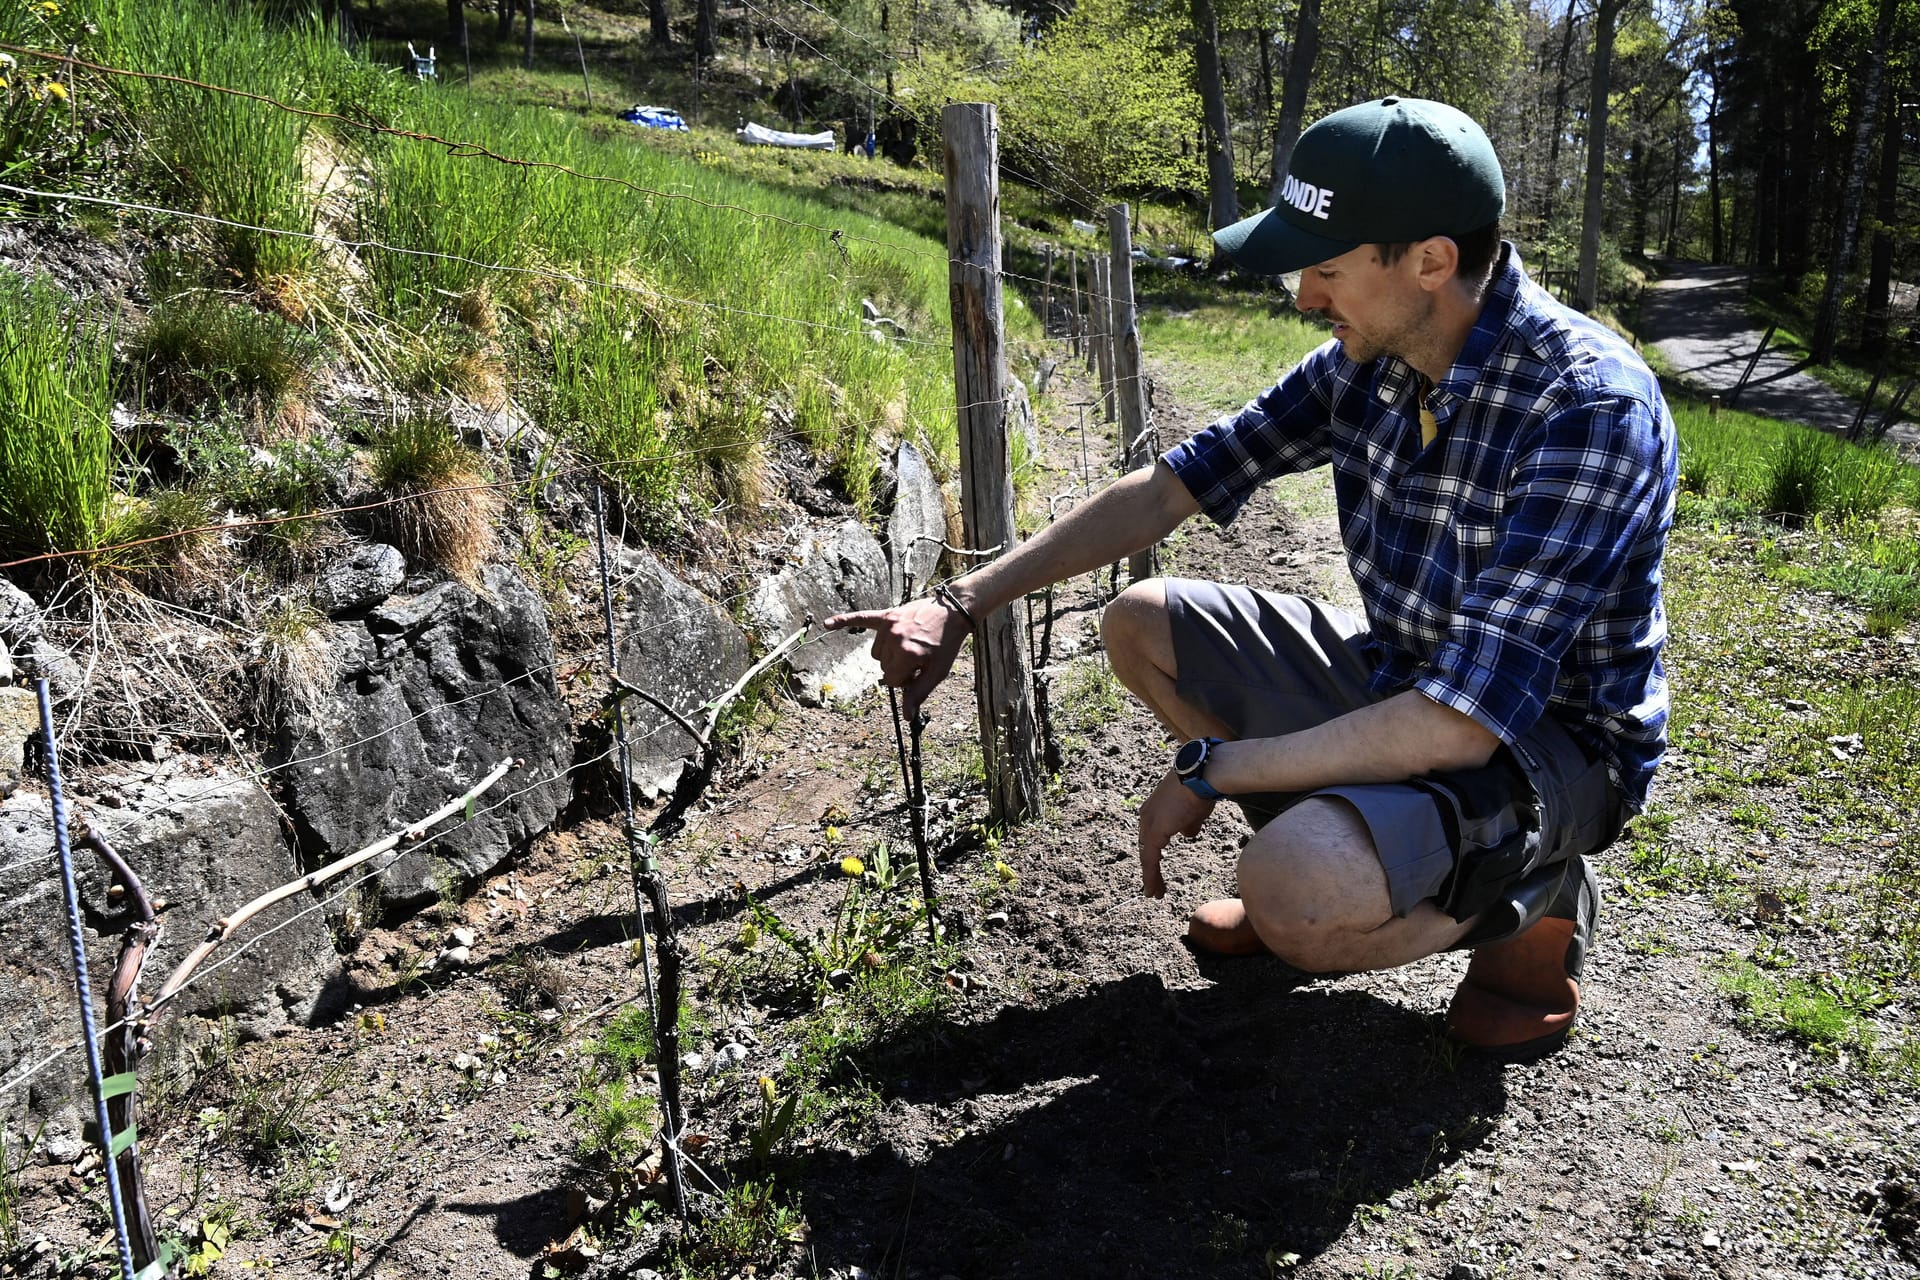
[12, 1165]
[615, 1124]
[1102, 102]
[1793, 478]
[42, 131]
[198, 346]
[57, 450]
[1828, 1015]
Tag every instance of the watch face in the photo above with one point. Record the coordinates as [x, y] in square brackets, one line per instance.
[1189, 756]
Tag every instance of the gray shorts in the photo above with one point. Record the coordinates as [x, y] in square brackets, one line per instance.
[1270, 664]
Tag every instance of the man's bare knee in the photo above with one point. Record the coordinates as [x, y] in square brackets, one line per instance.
[1313, 886]
[1134, 627]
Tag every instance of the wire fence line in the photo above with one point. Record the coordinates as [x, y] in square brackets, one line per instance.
[472, 150]
[382, 864]
[41, 1065]
[343, 242]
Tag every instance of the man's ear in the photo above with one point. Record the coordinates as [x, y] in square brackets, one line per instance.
[1438, 261]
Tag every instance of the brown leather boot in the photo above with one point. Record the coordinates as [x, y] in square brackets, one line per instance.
[1521, 993]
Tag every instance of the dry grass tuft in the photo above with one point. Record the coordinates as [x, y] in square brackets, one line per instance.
[443, 518]
[296, 650]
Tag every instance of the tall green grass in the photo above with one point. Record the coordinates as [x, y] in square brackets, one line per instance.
[1784, 469]
[57, 450]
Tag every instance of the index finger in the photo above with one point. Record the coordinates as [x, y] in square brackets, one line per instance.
[863, 618]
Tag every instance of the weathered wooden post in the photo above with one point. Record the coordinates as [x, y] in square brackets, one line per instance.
[1046, 298]
[1102, 310]
[1002, 670]
[1087, 326]
[1074, 326]
[1136, 450]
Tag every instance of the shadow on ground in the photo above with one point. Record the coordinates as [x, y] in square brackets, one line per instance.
[1138, 1131]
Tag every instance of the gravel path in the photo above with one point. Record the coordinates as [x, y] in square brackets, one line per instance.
[1698, 320]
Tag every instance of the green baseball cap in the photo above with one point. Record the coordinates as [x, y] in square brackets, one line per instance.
[1382, 172]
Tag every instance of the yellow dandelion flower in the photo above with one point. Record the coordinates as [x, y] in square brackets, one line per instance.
[852, 866]
[1006, 873]
[56, 91]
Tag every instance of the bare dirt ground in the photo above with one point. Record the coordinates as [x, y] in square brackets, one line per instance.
[1086, 1099]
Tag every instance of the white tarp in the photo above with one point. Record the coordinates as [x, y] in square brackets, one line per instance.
[759, 136]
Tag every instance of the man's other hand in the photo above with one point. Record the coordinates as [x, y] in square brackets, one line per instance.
[915, 644]
[1171, 810]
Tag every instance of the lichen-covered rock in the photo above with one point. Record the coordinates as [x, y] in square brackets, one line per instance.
[32, 652]
[679, 646]
[434, 689]
[916, 527]
[364, 577]
[203, 841]
[19, 721]
[836, 569]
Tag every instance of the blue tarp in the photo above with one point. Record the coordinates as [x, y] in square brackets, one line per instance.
[654, 118]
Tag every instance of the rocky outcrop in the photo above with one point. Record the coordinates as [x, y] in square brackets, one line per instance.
[362, 578]
[19, 722]
[203, 842]
[677, 645]
[916, 527]
[834, 570]
[28, 648]
[434, 689]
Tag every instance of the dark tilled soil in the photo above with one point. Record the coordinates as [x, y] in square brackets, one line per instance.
[1093, 1101]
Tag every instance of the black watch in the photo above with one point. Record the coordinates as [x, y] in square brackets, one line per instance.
[1190, 762]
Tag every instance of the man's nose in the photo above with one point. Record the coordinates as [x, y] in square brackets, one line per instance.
[1309, 296]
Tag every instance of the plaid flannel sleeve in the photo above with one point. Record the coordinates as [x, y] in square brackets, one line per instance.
[1284, 429]
[1581, 493]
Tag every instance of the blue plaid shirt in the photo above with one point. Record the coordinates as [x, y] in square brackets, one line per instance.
[1511, 568]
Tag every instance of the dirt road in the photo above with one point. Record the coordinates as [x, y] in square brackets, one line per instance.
[1697, 318]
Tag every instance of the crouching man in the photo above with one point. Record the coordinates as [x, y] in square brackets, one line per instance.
[1430, 776]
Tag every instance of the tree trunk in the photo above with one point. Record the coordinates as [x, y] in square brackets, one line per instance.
[1559, 122]
[456, 24]
[1846, 231]
[703, 40]
[1265, 37]
[659, 28]
[506, 8]
[1293, 95]
[1720, 253]
[1873, 333]
[1672, 248]
[526, 58]
[1223, 204]
[1586, 289]
[1638, 163]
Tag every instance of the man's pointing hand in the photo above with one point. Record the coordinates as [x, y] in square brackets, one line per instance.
[915, 644]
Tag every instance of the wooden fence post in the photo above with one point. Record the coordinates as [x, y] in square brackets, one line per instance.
[1046, 298]
[1136, 450]
[1087, 326]
[1003, 677]
[1102, 309]
[1073, 321]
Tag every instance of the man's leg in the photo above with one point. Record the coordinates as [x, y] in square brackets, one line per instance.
[1139, 640]
[1311, 880]
[1314, 892]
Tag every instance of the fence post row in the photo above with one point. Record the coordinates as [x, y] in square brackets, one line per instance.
[1103, 330]
[1136, 450]
[1073, 321]
[1002, 669]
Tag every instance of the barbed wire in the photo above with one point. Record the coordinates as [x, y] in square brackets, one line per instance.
[461, 150]
[565, 277]
[472, 150]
